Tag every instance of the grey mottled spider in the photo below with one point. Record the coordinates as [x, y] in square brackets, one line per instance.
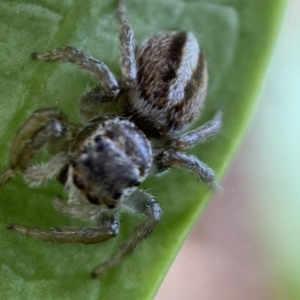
[102, 161]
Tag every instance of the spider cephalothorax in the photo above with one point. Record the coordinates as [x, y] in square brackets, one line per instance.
[102, 161]
[110, 162]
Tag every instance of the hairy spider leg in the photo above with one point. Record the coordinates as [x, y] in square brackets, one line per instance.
[171, 157]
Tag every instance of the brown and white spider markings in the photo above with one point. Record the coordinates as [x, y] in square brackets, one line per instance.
[102, 161]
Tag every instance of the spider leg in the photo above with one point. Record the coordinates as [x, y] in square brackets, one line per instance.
[36, 174]
[43, 127]
[98, 97]
[198, 135]
[107, 225]
[139, 202]
[78, 211]
[93, 100]
[171, 158]
[128, 64]
[51, 130]
[89, 235]
[31, 129]
[5, 176]
[100, 71]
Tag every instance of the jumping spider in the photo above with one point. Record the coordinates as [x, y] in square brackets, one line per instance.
[102, 161]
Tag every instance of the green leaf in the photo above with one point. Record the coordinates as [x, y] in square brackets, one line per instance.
[237, 38]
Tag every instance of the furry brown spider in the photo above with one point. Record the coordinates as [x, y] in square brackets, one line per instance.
[102, 161]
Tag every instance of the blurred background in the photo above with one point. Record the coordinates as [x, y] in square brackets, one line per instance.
[246, 245]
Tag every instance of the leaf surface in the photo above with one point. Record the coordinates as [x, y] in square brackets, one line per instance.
[237, 38]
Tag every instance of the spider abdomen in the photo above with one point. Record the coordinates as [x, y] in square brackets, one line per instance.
[172, 82]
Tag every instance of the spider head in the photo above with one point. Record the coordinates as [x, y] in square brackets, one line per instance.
[111, 157]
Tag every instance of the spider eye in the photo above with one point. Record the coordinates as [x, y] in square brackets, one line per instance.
[134, 182]
[92, 199]
[116, 195]
[78, 182]
[99, 142]
[98, 139]
[73, 163]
